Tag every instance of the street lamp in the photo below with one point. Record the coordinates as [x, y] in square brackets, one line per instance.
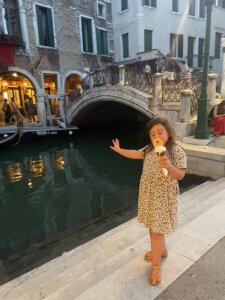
[202, 120]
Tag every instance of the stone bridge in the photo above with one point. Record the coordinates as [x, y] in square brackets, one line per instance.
[123, 95]
[110, 103]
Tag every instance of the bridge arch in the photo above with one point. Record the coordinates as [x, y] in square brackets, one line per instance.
[106, 95]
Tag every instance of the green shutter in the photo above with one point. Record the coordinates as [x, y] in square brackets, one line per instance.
[105, 43]
[98, 38]
[50, 35]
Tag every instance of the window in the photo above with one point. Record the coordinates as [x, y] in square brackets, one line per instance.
[102, 41]
[148, 40]
[217, 44]
[202, 8]
[192, 7]
[50, 83]
[124, 5]
[12, 18]
[201, 43]
[191, 45]
[45, 26]
[221, 3]
[86, 27]
[152, 3]
[101, 10]
[175, 7]
[176, 45]
[125, 43]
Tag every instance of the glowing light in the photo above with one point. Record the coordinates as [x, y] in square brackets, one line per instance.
[14, 74]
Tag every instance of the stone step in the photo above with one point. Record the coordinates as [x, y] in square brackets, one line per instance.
[129, 280]
[79, 259]
[80, 262]
[201, 196]
[77, 267]
[202, 188]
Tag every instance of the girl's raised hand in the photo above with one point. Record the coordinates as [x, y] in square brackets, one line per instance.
[116, 145]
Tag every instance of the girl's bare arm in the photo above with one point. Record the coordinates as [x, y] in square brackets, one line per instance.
[174, 172]
[133, 154]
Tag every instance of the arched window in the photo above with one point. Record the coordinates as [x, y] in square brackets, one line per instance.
[12, 18]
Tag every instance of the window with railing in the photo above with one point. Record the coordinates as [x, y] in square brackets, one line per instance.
[45, 26]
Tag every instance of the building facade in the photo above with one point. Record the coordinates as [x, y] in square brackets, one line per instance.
[173, 26]
[47, 47]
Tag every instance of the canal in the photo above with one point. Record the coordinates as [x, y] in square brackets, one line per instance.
[56, 194]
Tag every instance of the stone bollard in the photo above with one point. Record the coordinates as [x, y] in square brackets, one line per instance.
[157, 92]
[185, 127]
[185, 111]
[212, 89]
[121, 75]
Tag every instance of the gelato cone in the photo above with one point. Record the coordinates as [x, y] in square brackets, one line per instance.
[160, 150]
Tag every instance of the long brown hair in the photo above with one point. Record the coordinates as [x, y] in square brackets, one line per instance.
[169, 128]
[221, 109]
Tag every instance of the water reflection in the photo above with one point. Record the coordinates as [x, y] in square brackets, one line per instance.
[49, 192]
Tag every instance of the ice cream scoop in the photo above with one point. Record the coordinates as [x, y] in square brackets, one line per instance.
[160, 150]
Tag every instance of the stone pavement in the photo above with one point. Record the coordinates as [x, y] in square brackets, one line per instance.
[205, 280]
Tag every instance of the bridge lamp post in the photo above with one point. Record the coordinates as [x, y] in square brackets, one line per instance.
[202, 120]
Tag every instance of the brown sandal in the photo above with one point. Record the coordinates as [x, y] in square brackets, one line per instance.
[148, 254]
[155, 276]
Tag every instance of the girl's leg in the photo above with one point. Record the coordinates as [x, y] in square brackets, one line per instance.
[157, 246]
[148, 254]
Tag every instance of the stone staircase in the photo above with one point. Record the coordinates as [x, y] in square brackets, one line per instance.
[112, 267]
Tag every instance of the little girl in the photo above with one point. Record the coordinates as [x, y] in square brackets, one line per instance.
[158, 193]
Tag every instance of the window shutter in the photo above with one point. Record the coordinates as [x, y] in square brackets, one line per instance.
[180, 46]
[105, 43]
[50, 38]
[154, 3]
[98, 38]
[39, 22]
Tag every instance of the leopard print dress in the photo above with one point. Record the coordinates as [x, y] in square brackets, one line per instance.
[158, 194]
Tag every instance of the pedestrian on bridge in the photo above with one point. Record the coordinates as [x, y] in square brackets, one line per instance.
[158, 192]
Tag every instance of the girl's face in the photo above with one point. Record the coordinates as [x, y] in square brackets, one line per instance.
[159, 131]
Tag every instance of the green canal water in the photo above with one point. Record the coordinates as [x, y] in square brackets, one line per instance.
[57, 194]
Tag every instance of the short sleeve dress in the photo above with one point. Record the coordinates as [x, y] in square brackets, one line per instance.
[158, 194]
